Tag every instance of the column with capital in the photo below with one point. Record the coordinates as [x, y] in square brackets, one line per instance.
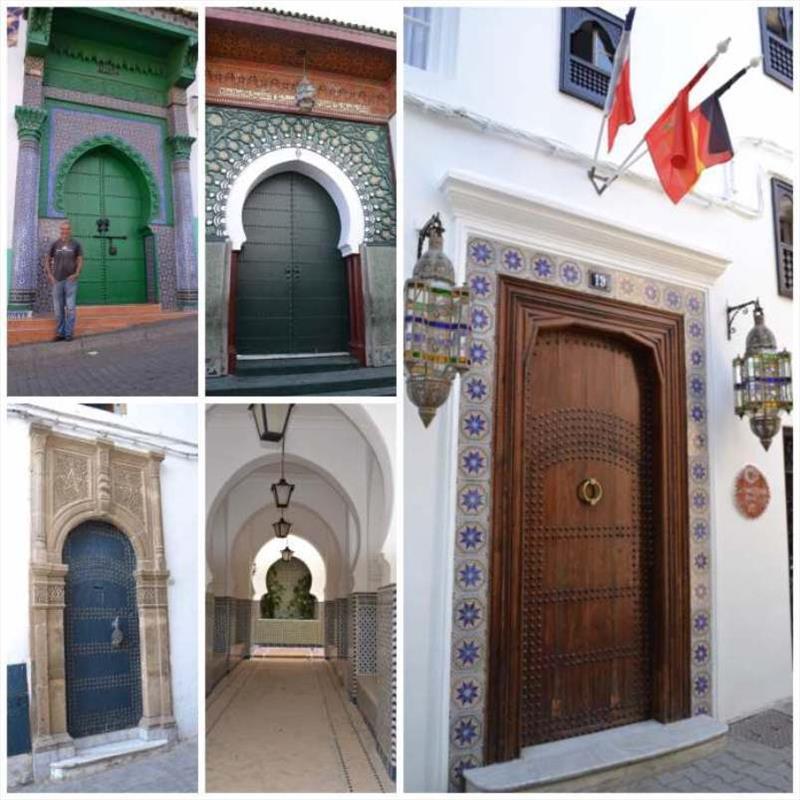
[185, 250]
[25, 236]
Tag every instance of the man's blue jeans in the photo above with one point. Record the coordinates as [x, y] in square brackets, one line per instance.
[64, 294]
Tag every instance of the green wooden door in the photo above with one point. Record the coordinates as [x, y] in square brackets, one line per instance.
[101, 184]
[292, 284]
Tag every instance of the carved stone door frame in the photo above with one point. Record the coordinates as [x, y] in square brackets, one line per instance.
[74, 480]
[523, 310]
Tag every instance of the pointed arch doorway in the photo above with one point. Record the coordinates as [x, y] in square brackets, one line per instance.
[102, 183]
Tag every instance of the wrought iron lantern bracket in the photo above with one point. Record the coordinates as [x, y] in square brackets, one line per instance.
[742, 308]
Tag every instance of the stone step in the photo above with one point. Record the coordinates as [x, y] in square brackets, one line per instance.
[91, 320]
[246, 367]
[596, 761]
[98, 757]
[373, 381]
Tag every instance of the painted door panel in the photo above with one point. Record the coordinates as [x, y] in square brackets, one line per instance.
[102, 185]
[103, 680]
[586, 583]
[292, 283]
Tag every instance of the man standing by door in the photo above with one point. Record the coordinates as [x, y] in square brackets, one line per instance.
[63, 267]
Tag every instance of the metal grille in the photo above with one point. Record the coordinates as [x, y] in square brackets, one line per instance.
[781, 58]
[588, 77]
[776, 43]
[782, 201]
[104, 688]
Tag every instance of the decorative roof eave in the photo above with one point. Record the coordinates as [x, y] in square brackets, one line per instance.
[325, 20]
[309, 26]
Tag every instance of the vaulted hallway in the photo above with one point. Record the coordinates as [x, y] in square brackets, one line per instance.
[286, 725]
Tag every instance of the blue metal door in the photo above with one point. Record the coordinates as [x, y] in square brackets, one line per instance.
[101, 631]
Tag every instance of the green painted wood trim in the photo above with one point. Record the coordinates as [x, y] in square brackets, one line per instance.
[37, 38]
[165, 165]
[30, 122]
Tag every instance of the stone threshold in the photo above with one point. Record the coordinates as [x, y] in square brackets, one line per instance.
[597, 759]
[92, 757]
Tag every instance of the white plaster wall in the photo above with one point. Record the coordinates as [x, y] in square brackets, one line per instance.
[507, 70]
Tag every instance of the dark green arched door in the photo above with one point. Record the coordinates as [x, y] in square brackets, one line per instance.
[101, 631]
[291, 293]
[102, 184]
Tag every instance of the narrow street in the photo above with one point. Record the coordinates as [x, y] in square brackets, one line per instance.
[286, 725]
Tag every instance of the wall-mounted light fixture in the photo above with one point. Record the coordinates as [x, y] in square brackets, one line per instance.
[306, 93]
[436, 325]
[762, 377]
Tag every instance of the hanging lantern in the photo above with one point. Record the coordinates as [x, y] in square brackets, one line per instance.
[305, 93]
[271, 420]
[282, 528]
[762, 377]
[287, 553]
[282, 490]
[437, 330]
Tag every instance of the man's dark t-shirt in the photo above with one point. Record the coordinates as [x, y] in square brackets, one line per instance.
[65, 258]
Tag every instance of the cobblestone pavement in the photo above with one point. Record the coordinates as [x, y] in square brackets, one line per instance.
[172, 771]
[757, 758]
[286, 725]
[159, 362]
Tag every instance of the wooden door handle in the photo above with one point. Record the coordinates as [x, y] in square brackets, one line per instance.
[590, 491]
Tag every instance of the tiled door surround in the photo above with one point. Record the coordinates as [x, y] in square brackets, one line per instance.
[499, 230]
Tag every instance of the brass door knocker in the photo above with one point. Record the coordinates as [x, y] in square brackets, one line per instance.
[590, 491]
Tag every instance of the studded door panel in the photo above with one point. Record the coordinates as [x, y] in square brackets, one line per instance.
[586, 591]
[101, 631]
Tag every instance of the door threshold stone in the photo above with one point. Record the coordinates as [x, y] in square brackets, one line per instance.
[97, 757]
[600, 759]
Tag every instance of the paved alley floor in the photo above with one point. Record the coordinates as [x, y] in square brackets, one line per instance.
[156, 360]
[172, 771]
[757, 758]
[286, 725]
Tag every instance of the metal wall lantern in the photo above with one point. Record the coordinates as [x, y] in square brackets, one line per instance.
[271, 420]
[306, 93]
[282, 528]
[282, 490]
[437, 331]
[762, 377]
[287, 553]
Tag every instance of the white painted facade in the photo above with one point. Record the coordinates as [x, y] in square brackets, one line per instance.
[171, 428]
[491, 143]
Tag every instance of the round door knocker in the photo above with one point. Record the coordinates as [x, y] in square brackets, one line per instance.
[590, 491]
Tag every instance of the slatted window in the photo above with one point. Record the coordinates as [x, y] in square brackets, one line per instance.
[430, 38]
[782, 206]
[589, 39]
[776, 42]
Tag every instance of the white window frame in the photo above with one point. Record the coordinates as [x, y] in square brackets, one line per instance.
[440, 58]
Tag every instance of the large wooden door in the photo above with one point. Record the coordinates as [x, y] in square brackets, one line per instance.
[101, 631]
[589, 598]
[291, 295]
[587, 535]
[101, 184]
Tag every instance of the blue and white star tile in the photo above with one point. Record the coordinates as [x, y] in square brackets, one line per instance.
[466, 731]
[699, 500]
[697, 412]
[467, 653]
[467, 691]
[472, 498]
[512, 260]
[696, 358]
[700, 593]
[542, 267]
[673, 299]
[481, 319]
[651, 293]
[469, 614]
[475, 424]
[700, 561]
[695, 329]
[459, 765]
[570, 273]
[480, 353]
[699, 470]
[694, 303]
[470, 537]
[480, 285]
[470, 575]
[700, 623]
[475, 388]
[700, 530]
[480, 252]
[473, 462]
[701, 684]
[700, 653]
[696, 386]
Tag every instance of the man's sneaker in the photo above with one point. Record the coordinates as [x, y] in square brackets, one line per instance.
[58, 338]
[68, 338]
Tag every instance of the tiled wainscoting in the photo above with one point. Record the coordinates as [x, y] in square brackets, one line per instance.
[227, 635]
